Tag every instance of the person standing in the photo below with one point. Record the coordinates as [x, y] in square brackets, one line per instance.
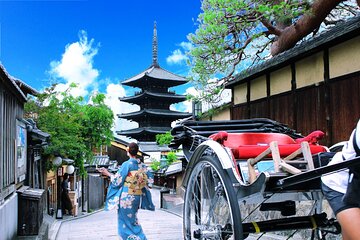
[129, 191]
[342, 189]
[65, 199]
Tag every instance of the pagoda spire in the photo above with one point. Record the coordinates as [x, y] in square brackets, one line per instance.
[155, 48]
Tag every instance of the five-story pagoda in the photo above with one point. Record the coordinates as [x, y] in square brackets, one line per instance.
[154, 99]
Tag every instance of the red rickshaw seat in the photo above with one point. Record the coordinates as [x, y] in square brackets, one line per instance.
[250, 145]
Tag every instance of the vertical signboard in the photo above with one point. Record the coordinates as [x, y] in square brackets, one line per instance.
[21, 153]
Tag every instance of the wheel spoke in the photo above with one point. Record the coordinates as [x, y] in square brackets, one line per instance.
[207, 210]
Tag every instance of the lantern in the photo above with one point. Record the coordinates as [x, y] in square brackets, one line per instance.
[57, 161]
[70, 169]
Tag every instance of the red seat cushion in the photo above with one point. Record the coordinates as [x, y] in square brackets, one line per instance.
[249, 145]
[237, 139]
[251, 151]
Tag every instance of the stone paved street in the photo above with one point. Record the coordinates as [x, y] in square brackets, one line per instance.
[158, 225]
[103, 225]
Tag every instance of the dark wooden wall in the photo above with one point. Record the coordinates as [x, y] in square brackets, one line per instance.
[117, 154]
[345, 104]
[11, 109]
[332, 106]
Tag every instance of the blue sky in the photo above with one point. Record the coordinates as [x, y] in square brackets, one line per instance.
[94, 43]
[35, 33]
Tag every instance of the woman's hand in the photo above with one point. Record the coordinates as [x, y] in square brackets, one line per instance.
[103, 171]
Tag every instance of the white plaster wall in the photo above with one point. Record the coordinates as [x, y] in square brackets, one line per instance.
[9, 218]
[222, 115]
[240, 92]
[258, 88]
[280, 81]
[310, 70]
[345, 58]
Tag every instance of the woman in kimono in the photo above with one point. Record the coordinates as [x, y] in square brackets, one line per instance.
[128, 191]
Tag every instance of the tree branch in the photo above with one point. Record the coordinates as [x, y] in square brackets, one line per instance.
[271, 28]
[305, 25]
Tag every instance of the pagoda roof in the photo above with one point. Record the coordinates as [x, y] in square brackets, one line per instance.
[174, 98]
[155, 73]
[153, 147]
[141, 131]
[155, 112]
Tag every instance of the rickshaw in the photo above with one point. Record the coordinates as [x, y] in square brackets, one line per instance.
[250, 177]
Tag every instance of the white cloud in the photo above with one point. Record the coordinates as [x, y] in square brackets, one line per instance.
[180, 107]
[76, 66]
[225, 97]
[113, 92]
[188, 103]
[187, 46]
[177, 57]
[220, 99]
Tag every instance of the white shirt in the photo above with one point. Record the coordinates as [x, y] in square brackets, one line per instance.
[338, 181]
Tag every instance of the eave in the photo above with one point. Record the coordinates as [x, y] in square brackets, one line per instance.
[144, 130]
[154, 73]
[9, 81]
[154, 112]
[173, 98]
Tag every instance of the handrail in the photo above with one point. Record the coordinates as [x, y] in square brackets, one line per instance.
[316, 173]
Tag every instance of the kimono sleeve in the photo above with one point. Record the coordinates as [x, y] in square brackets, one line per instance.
[117, 180]
[150, 176]
[146, 200]
[115, 187]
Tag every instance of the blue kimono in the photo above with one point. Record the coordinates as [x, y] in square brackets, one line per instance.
[128, 189]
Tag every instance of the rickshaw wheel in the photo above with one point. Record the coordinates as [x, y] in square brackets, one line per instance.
[211, 209]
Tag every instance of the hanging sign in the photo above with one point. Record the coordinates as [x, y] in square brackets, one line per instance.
[60, 171]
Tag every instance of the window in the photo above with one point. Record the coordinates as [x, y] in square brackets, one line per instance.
[197, 108]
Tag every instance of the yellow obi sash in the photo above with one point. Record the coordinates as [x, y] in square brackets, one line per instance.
[136, 181]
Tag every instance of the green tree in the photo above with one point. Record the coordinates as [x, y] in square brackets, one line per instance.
[155, 164]
[165, 138]
[235, 32]
[171, 158]
[76, 128]
[97, 121]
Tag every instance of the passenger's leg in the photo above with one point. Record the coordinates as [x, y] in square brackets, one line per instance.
[349, 220]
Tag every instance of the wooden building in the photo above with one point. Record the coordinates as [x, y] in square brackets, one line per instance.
[117, 151]
[14, 150]
[22, 171]
[314, 85]
[12, 163]
[154, 99]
